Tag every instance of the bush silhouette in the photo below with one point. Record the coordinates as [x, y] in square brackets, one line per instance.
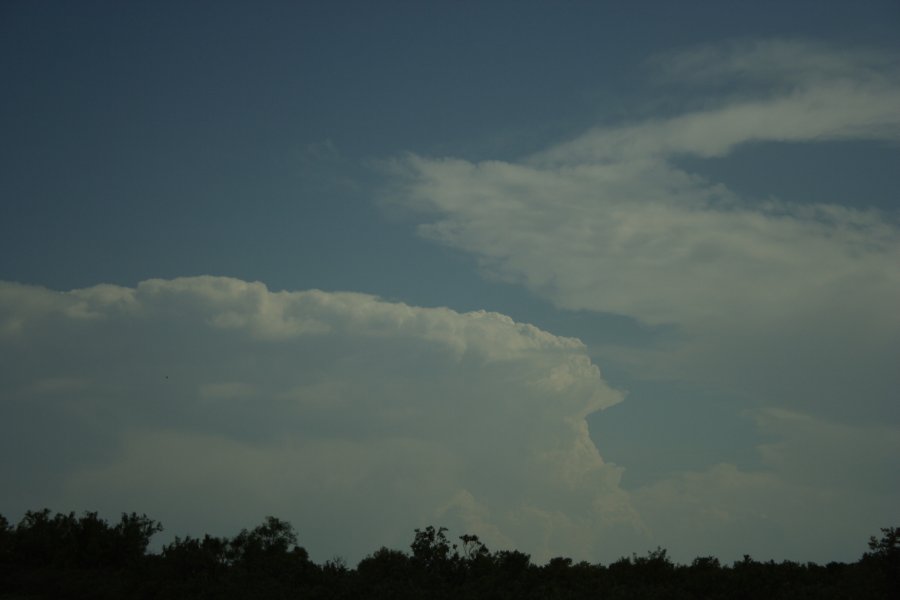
[67, 556]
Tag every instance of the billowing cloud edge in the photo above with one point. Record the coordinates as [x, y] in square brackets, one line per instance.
[211, 399]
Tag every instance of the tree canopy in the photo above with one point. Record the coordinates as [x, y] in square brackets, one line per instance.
[62, 555]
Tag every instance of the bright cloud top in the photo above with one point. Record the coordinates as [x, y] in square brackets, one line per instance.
[210, 402]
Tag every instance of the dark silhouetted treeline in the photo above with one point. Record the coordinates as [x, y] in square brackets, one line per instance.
[69, 556]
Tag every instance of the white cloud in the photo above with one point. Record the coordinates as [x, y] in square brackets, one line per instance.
[754, 91]
[211, 402]
[382, 418]
[608, 222]
[779, 304]
[646, 240]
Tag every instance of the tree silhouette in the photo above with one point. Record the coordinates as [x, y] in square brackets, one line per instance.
[886, 555]
[69, 556]
[430, 548]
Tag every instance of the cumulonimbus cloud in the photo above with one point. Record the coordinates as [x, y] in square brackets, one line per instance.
[209, 402]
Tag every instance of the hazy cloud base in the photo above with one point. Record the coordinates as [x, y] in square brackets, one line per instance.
[210, 402]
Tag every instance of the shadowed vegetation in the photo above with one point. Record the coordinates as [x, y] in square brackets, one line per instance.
[69, 556]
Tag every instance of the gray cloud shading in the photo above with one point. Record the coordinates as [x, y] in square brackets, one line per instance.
[210, 402]
[821, 484]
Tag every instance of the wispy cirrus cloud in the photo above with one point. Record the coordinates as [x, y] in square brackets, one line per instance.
[610, 222]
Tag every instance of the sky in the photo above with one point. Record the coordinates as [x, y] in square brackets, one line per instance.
[583, 279]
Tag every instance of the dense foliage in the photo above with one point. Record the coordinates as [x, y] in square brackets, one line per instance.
[66, 556]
